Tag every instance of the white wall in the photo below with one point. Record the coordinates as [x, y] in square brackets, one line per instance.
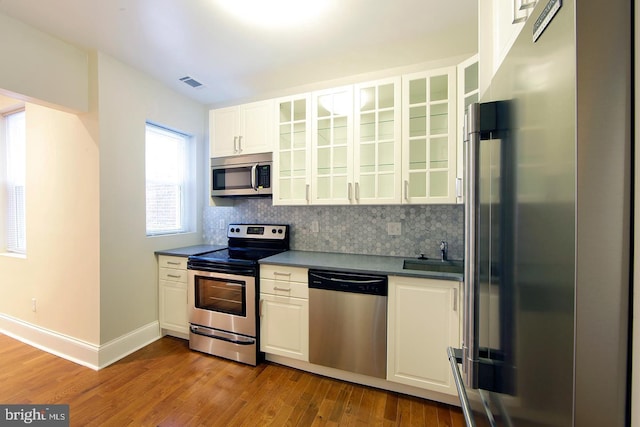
[61, 268]
[42, 69]
[128, 281]
[89, 263]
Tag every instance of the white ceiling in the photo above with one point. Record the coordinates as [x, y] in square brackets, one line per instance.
[169, 39]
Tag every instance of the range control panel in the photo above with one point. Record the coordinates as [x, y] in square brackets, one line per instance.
[258, 231]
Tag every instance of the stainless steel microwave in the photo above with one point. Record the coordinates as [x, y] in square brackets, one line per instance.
[241, 176]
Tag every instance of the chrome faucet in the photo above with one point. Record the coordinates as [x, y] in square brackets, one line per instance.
[443, 250]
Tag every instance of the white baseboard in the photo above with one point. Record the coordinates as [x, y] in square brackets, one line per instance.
[126, 344]
[83, 353]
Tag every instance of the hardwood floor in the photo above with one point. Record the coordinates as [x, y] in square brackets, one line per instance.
[166, 384]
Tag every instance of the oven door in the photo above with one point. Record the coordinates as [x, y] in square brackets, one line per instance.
[222, 301]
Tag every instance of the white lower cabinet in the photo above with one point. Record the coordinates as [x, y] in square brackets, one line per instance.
[423, 320]
[172, 282]
[284, 311]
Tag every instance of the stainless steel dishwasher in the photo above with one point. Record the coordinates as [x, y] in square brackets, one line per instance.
[348, 321]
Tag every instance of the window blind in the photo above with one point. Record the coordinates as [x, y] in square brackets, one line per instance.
[15, 143]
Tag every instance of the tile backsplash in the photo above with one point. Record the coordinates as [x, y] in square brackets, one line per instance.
[349, 229]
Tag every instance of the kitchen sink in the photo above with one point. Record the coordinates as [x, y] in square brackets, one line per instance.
[436, 265]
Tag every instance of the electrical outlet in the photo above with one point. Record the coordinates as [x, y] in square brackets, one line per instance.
[315, 227]
[33, 304]
[394, 228]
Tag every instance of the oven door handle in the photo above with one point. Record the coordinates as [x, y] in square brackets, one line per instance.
[221, 335]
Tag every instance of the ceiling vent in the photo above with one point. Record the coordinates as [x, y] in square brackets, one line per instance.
[191, 81]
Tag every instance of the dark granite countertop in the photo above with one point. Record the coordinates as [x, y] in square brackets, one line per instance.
[357, 263]
[190, 250]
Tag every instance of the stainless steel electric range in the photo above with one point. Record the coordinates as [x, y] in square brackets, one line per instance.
[224, 291]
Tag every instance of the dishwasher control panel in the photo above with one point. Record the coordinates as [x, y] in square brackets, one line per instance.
[358, 283]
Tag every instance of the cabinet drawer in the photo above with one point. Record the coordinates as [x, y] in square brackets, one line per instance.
[173, 275]
[284, 288]
[284, 274]
[172, 262]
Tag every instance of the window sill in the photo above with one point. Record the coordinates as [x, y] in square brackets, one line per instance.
[13, 255]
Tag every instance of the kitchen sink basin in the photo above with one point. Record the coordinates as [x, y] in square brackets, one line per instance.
[436, 265]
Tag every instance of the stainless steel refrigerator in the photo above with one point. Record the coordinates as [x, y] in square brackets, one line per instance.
[548, 225]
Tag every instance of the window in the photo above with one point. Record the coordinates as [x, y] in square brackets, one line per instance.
[167, 181]
[15, 239]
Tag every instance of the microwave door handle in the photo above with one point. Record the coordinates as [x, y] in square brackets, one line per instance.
[254, 184]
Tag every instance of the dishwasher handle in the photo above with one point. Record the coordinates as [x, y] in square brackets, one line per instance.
[348, 282]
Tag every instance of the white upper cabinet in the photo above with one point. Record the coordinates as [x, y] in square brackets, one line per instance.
[429, 136]
[354, 135]
[500, 22]
[242, 129]
[387, 141]
[377, 142]
[292, 153]
[468, 93]
[332, 146]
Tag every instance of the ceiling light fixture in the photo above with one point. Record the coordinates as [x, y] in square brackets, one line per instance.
[277, 13]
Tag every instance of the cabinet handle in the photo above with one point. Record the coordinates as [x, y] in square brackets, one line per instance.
[455, 299]
[240, 144]
[349, 191]
[278, 273]
[174, 276]
[458, 187]
[260, 308]
[275, 288]
[357, 191]
[307, 193]
[235, 144]
[173, 263]
[406, 189]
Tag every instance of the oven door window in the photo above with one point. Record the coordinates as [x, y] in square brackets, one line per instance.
[236, 178]
[220, 295]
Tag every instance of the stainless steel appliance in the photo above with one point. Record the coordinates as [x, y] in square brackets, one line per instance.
[348, 321]
[236, 176]
[223, 291]
[548, 200]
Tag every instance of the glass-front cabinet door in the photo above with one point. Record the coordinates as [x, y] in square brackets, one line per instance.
[429, 137]
[377, 142]
[292, 156]
[332, 136]
[468, 93]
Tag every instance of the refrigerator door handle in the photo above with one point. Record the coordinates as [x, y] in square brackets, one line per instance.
[471, 206]
[462, 392]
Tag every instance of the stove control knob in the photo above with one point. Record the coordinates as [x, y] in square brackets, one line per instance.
[280, 231]
[273, 230]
